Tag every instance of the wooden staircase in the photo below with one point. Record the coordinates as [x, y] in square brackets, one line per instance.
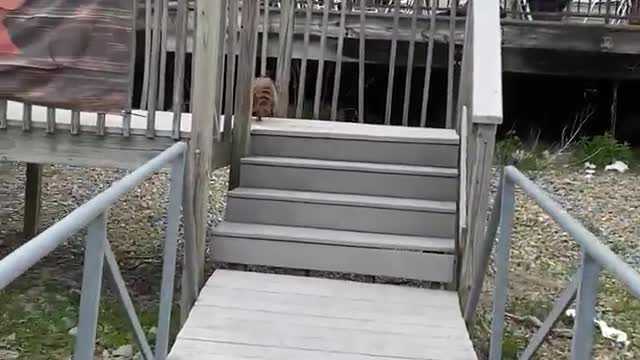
[330, 196]
[337, 197]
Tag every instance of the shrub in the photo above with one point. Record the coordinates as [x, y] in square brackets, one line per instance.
[602, 150]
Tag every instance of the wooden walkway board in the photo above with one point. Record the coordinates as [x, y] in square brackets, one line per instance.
[246, 315]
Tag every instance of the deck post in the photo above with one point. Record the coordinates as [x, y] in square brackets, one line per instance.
[209, 41]
[32, 200]
[246, 69]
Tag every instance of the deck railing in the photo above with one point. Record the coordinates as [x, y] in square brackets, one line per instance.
[596, 257]
[479, 111]
[614, 12]
[93, 215]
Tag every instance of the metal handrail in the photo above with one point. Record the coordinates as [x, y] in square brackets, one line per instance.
[596, 256]
[93, 216]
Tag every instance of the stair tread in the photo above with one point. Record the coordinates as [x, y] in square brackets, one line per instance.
[351, 166]
[354, 131]
[345, 199]
[334, 237]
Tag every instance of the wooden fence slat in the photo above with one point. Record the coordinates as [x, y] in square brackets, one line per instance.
[163, 54]
[409, 75]
[51, 120]
[75, 122]
[338, 72]
[194, 52]
[265, 39]
[3, 114]
[283, 70]
[232, 38]
[147, 53]
[255, 44]
[427, 70]
[392, 62]
[155, 69]
[179, 66]
[451, 63]
[319, 75]
[303, 67]
[361, 63]
[126, 114]
[26, 117]
[100, 123]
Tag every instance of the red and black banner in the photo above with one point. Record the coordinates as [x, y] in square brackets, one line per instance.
[72, 54]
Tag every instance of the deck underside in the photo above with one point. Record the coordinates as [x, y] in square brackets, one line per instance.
[244, 315]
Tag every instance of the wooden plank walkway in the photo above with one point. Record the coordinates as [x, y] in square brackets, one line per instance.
[247, 315]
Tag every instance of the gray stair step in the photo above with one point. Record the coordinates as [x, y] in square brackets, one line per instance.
[420, 182]
[421, 258]
[354, 131]
[327, 140]
[375, 214]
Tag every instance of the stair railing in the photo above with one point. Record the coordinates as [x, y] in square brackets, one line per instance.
[93, 215]
[596, 257]
[479, 114]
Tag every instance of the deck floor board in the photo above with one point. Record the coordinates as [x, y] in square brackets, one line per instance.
[247, 315]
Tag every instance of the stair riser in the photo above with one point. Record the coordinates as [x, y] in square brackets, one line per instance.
[341, 217]
[350, 182]
[440, 155]
[393, 263]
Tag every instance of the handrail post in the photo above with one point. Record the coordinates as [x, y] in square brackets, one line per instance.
[91, 288]
[479, 268]
[169, 262]
[502, 267]
[582, 342]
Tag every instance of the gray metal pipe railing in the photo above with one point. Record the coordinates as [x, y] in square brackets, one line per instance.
[20, 260]
[595, 257]
[93, 216]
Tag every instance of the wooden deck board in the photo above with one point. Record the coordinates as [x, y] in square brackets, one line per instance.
[244, 315]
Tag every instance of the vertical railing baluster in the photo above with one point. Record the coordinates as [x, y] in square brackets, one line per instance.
[91, 288]
[392, 62]
[338, 71]
[409, 75]
[51, 120]
[265, 39]
[179, 66]
[27, 112]
[169, 261]
[3, 114]
[582, 342]
[361, 63]
[502, 268]
[427, 70]
[303, 67]
[317, 96]
[75, 122]
[451, 63]
[100, 124]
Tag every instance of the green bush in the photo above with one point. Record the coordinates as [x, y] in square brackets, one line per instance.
[511, 151]
[602, 150]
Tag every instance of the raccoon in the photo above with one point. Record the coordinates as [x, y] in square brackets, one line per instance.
[265, 98]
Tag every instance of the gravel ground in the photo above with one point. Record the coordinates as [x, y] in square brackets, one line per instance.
[542, 259]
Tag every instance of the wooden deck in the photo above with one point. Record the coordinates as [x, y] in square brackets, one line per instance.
[245, 315]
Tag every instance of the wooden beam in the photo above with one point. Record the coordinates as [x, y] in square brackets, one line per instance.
[32, 200]
[571, 36]
[211, 19]
[246, 66]
[91, 150]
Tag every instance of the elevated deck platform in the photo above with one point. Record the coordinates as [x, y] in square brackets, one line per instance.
[244, 315]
